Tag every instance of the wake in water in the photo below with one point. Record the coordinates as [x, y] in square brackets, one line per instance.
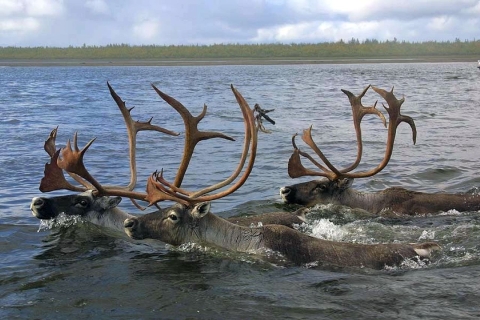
[457, 233]
[62, 220]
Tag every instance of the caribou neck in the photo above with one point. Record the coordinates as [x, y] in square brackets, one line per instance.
[369, 201]
[222, 233]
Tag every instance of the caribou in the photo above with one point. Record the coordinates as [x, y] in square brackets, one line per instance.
[190, 218]
[335, 186]
[195, 223]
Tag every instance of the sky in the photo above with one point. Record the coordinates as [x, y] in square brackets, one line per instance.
[63, 23]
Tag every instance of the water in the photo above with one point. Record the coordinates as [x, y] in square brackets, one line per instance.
[81, 271]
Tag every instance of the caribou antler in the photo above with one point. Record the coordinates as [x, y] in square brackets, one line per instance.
[159, 189]
[192, 134]
[296, 169]
[70, 158]
[358, 111]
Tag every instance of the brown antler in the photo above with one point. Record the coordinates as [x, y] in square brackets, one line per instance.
[133, 127]
[53, 175]
[358, 111]
[71, 160]
[296, 169]
[192, 134]
[159, 189]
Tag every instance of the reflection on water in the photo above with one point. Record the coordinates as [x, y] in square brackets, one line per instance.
[73, 268]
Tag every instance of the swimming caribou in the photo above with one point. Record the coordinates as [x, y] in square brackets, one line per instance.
[335, 187]
[190, 219]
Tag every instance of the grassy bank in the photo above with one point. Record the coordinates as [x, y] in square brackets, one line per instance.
[338, 52]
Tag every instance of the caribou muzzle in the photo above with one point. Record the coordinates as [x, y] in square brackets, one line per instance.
[42, 208]
[132, 228]
[288, 195]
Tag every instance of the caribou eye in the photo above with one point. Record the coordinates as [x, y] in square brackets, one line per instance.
[173, 217]
[321, 187]
[82, 203]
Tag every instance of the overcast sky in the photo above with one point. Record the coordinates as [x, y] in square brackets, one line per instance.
[174, 22]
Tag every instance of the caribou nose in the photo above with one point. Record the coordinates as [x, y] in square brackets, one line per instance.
[37, 206]
[37, 202]
[130, 223]
[131, 229]
[285, 191]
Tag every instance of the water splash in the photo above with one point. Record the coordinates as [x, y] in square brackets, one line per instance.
[427, 235]
[325, 229]
[62, 220]
[410, 263]
[188, 247]
[451, 212]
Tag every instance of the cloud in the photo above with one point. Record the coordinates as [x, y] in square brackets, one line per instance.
[31, 8]
[10, 7]
[167, 22]
[317, 31]
[22, 17]
[146, 30]
[419, 20]
[19, 25]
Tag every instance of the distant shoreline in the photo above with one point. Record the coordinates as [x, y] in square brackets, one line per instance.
[229, 61]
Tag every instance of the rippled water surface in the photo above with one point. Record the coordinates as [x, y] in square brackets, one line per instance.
[74, 269]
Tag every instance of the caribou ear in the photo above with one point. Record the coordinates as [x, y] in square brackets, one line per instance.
[109, 202]
[344, 184]
[200, 210]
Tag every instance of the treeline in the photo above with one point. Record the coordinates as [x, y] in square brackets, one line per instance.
[341, 49]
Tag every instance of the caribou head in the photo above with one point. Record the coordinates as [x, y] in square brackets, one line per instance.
[82, 204]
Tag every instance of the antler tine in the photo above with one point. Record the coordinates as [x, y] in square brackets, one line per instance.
[395, 118]
[159, 189]
[156, 191]
[296, 168]
[307, 138]
[358, 112]
[133, 127]
[54, 179]
[251, 135]
[71, 160]
[192, 134]
[49, 145]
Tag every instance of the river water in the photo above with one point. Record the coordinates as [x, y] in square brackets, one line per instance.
[71, 269]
